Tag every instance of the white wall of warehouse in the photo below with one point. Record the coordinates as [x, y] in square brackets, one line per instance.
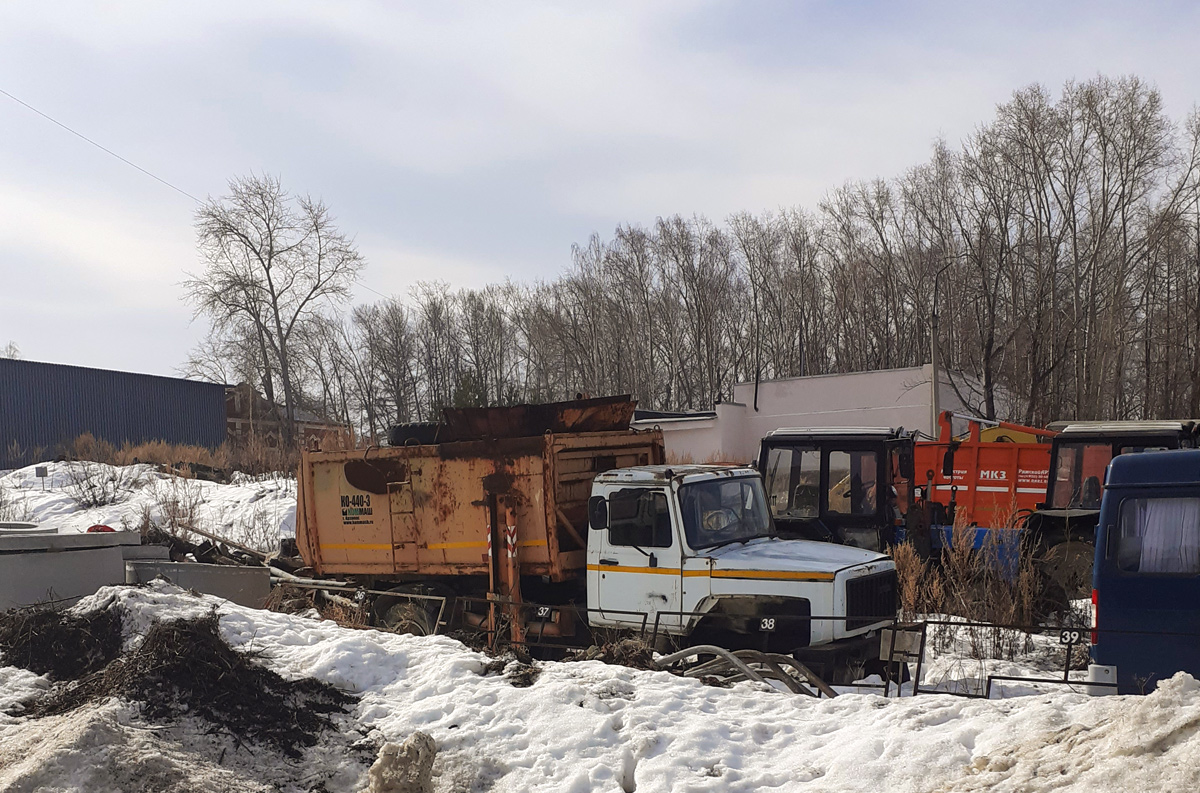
[885, 398]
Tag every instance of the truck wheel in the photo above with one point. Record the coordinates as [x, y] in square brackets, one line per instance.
[409, 616]
[1069, 565]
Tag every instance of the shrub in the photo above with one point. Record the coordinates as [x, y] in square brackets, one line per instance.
[97, 484]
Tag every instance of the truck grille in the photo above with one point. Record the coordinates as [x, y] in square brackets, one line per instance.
[870, 599]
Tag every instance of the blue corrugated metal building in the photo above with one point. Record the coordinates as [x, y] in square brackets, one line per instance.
[45, 406]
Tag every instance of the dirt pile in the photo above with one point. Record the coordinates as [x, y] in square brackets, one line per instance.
[59, 644]
[181, 668]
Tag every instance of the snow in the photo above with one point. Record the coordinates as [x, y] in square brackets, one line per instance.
[800, 555]
[252, 511]
[588, 726]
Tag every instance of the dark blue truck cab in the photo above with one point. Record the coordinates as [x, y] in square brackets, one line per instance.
[1146, 578]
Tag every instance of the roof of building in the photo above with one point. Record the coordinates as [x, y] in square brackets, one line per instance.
[901, 369]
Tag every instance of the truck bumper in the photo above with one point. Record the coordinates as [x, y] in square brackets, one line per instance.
[842, 660]
[1101, 673]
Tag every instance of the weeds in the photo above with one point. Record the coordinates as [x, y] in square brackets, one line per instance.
[254, 456]
[178, 501]
[993, 581]
[14, 507]
[260, 529]
[98, 485]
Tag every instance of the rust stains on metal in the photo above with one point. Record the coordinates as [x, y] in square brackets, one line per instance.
[498, 482]
[606, 414]
[433, 514]
[373, 476]
[491, 449]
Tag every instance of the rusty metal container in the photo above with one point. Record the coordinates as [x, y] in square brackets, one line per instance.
[430, 510]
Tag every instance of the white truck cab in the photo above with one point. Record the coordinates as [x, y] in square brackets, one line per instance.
[694, 547]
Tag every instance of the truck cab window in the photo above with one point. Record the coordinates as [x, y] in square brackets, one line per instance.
[793, 482]
[1079, 475]
[1159, 536]
[639, 516]
[853, 482]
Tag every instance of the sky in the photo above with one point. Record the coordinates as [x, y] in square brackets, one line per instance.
[477, 142]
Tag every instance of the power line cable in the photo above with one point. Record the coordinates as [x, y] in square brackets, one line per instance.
[109, 151]
[101, 148]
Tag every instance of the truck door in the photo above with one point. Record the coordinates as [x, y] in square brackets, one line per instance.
[1147, 585]
[638, 568]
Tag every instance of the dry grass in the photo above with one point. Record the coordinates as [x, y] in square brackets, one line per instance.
[178, 500]
[996, 583]
[254, 456]
[14, 506]
[94, 484]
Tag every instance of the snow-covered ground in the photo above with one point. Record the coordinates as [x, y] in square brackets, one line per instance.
[587, 726]
[254, 511]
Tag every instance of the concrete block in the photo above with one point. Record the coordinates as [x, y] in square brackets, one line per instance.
[246, 586]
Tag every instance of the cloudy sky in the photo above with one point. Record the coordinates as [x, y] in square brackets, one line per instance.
[476, 142]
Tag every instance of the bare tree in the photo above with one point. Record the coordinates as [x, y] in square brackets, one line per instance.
[272, 259]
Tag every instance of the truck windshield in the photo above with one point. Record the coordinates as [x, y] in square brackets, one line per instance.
[1079, 475]
[793, 481]
[721, 511]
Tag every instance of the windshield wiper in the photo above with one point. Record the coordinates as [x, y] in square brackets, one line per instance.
[723, 543]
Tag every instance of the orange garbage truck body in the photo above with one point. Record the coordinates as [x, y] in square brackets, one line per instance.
[984, 483]
[399, 512]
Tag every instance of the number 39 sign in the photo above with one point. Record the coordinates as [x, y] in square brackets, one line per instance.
[1070, 637]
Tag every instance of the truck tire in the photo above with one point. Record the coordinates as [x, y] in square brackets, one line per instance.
[417, 616]
[409, 616]
[1069, 566]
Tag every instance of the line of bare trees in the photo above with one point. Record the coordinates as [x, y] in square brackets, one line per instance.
[1059, 245]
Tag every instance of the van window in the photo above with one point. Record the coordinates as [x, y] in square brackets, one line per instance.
[1159, 536]
[639, 516]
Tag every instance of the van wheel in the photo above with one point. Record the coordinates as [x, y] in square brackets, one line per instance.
[1069, 565]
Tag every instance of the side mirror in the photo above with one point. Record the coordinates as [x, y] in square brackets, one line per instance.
[948, 464]
[598, 512]
[906, 464]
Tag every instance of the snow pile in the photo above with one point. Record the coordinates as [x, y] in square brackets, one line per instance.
[253, 511]
[587, 726]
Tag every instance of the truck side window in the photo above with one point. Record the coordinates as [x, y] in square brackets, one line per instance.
[639, 516]
[1159, 536]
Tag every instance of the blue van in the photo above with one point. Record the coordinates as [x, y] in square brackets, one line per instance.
[1146, 579]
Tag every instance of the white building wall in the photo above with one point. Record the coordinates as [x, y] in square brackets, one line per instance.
[887, 398]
